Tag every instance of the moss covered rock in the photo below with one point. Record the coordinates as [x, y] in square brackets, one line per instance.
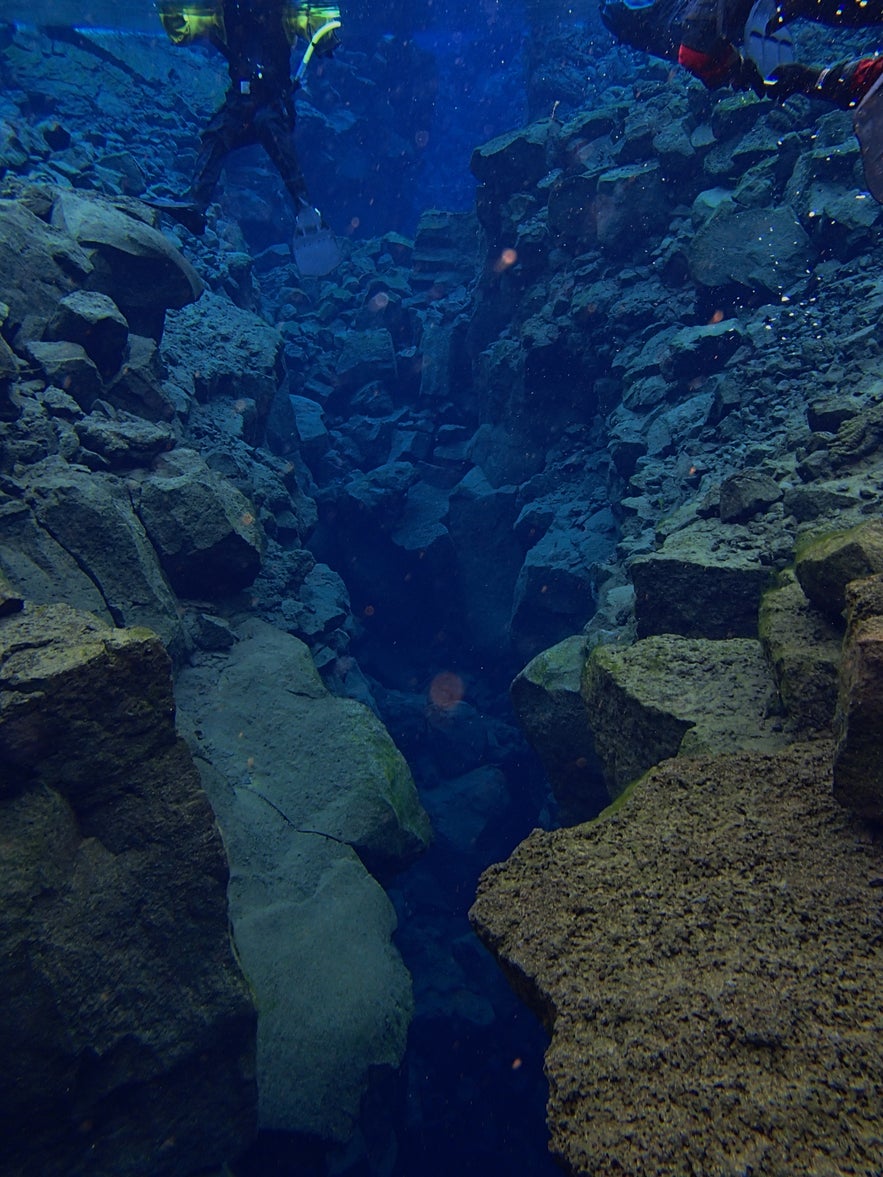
[708, 961]
[826, 564]
[803, 647]
[308, 789]
[698, 586]
[858, 756]
[128, 1041]
[668, 696]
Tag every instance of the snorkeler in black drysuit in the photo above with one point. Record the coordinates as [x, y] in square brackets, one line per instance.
[255, 37]
[705, 36]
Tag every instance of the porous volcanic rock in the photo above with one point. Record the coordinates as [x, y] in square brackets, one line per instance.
[708, 959]
[672, 696]
[858, 756]
[127, 1039]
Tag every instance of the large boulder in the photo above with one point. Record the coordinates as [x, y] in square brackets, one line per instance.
[674, 696]
[630, 206]
[550, 710]
[858, 756]
[96, 323]
[68, 366]
[204, 530]
[307, 787]
[39, 264]
[803, 647]
[365, 356]
[826, 564]
[487, 554]
[517, 160]
[764, 249]
[120, 440]
[216, 351]
[128, 1033]
[132, 263]
[140, 385]
[42, 570]
[708, 963]
[747, 493]
[555, 591]
[696, 352]
[699, 587]
[85, 522]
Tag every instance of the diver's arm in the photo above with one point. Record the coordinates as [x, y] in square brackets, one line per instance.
[185, 23]
[844, 84]
[317, 24]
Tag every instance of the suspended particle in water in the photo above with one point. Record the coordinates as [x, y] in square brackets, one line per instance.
[446, 690]
[507, 258]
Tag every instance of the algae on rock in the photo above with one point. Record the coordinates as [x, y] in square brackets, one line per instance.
[308, 788]
[668, 696]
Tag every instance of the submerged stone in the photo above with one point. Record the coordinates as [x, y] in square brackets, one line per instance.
[858, 756]
[803, 647]
[707, 960]
[826, 564]
[129, 1031]
[307, 787]
[673, 696]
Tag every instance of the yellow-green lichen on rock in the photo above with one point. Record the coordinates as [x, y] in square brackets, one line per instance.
[825, 564]
[803, 647]
[858, 755]
[668, 695]
[129, 1031]
[708, 962]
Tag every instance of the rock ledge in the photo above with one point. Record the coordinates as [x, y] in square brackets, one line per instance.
[708, 958]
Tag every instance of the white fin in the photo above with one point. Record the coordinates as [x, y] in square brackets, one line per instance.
[314, 248]
[767, 42]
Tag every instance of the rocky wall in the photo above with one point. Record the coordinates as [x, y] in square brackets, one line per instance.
[129, 1031]
[611, 407]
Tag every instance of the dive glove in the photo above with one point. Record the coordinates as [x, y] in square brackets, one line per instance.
[792, 78]
[745, 75]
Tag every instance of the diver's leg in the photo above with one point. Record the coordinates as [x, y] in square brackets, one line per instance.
[220, 137]
[845, 84]
[274, 125]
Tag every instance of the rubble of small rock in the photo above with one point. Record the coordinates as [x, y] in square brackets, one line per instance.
[616, 433]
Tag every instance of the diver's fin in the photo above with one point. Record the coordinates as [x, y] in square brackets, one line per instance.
[868, 123]
[314, 248]
[767, 42]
